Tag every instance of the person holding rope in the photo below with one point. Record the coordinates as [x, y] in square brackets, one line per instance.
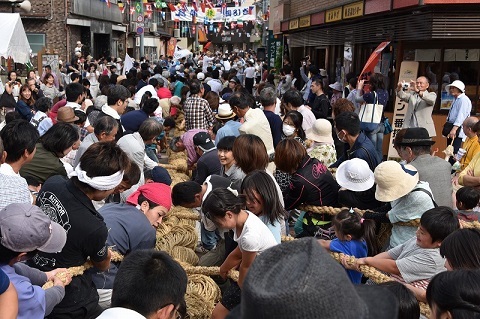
[69, 202]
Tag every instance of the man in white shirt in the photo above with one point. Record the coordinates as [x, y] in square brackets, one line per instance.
[293, 101]
[207, 58]
[215, 83]
[254, 120]
[152, 87]
[17, 147]
[75, 96]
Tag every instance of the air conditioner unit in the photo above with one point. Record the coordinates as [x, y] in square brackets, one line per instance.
[176, 33]
[133, 26]
[153, 27]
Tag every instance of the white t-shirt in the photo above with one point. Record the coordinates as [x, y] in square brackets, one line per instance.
[308, 117]
[255, 236]
[250, 72]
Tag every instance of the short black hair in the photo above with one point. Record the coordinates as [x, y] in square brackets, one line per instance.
[349, 122]
[105, 124]
[148, 280]
[460, 248]
[73, 91]
[195, 86]
[59, 137]
[169, 121]
[150, 105]
[117, 92]
[32, 181]
[43, 104]
[408, 303]
[184, 193]
[82, 116]
[18, 136]
[439, 222]
[74, 76]
[469, 197]
[153, 82]
[293, 97]
[226, 143]
[12, 116]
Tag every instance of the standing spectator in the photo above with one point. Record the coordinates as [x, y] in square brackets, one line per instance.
[320, 106]
[378, 94]
[293, 101]
[92, 75]
[322, 146]
[249, 76]
[215, 82]
[255, 121]
[162, 91]
[198, 114]
[460, 110]
[420, 104]
[115, 106]
[230, 127]
[69, 202]
[25, 103]
[347, 125]
[268, 99]
[49, 89]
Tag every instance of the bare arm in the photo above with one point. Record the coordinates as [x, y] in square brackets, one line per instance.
[9, 303]
[247, 259]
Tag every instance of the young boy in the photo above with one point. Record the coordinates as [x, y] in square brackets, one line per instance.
[229, 168]
[467, 200]
[418, 259]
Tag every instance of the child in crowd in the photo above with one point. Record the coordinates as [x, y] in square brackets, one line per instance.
[467, 200]
[455, 294]
[409, 307]
[355, 237]
[460, 249]
[225, 209]
[262, 200]
[229, 167]
[418, 259]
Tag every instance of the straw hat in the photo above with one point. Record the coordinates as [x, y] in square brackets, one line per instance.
[321, 131]
[355, 175]
[458, 84]
[225, 112]
[66, 114]
[394, 180]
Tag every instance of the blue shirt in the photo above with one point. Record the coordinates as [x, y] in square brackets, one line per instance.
[276, 126]
[128, 230]
[276, 228]
[229, 129]
[356, 248]
[4, 282]
[31, 298]
[460, 110]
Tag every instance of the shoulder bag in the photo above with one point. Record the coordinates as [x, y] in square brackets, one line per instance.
[370, 115]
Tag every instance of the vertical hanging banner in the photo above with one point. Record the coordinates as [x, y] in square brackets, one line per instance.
[408, 71]
[171, 46]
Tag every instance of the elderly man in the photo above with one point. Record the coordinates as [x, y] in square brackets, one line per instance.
[420, 104]
[413, 145]
[460, 110]
[471, 146]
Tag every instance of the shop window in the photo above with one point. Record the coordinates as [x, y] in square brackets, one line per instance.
[36, 41]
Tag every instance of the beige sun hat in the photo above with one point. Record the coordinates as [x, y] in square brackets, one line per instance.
[394, 180]
[321, 131]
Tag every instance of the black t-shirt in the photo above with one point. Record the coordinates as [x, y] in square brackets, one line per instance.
[321, 107]
[87, 233]
[208, 164]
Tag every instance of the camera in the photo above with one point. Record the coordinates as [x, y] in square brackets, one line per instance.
[405, 86]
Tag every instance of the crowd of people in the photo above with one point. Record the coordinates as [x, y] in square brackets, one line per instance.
[80, 173]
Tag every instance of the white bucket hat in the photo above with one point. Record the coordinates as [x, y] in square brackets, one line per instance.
[321, 131]
[337, 86]
[355, 175]
[225, 112]
[394, 180]
[458, 84]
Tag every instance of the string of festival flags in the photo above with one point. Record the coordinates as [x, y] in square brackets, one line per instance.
[208, 7]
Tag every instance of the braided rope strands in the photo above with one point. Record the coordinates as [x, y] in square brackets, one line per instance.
[328, 209]
[201, 297]
[184, 254]
[473, 224]
[209, 271]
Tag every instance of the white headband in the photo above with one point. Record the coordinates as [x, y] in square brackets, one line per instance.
[102, 183]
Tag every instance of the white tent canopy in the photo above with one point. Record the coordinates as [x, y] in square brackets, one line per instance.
[13, 40]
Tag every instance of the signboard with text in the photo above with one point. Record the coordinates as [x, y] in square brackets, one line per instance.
[246, 13]
[274, 44]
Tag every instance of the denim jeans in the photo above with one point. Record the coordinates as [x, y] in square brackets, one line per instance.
[209, 238]
[376, 136]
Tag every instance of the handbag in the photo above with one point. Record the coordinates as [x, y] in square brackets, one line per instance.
[370, 115]
[447, 127]
[387, 125]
